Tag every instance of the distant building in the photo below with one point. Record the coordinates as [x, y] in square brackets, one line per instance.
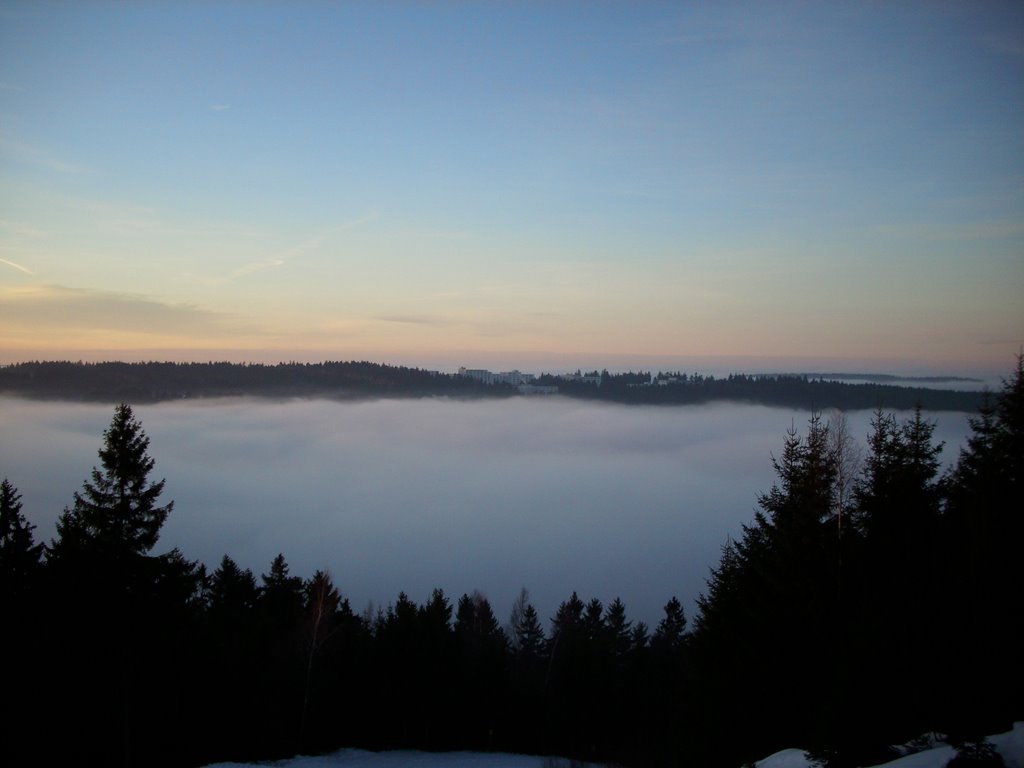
[513, 378]
[587, 378]
[477, 373]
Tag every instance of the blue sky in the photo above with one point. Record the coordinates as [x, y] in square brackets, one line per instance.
[514, 183]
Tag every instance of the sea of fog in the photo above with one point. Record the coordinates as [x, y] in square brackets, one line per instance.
[552, 494]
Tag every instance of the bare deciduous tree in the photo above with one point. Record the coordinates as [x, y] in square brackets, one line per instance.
[848, 455]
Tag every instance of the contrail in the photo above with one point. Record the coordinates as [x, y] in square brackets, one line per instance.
[18, 267]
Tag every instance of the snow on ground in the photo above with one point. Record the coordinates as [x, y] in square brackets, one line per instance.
[787, 758]
[1010, 745]
[357, 758]
[937, 757]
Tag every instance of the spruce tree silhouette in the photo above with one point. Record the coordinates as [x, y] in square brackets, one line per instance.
[19, 638]
[528, 671]
[481, 648]
[322, 604]
[101, 564]
[280, 611]
[983, 530]
[669, 633]
[116, 513]
[898, 507]
[777, 585]
[19, 554]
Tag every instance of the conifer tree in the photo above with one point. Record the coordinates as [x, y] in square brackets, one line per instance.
[117, 512]
[639, 637]
[669, 632]
[568, 618]
[526, 636]
[593, 621]
[723, 592]
[402, 615]
[322, 604]
[231, 641]
[232, 591]
[983, 531]
[528, 674]
[481, 650]
[618, 629]
[894, 614]
[990, 468]
[101, 564]
[281, 596]
[436, 613]
[569, 675]
[21, 633]
[898, 492]
[475, 619]
[280, 608]
[768, 620]
[19, 554]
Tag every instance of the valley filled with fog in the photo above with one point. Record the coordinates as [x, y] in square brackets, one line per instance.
[552, 494]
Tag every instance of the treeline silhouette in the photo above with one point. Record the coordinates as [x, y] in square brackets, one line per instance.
[800, 391]
[870, 599]
[153, 382]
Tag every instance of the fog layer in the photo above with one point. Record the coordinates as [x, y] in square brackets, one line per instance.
[552, 494]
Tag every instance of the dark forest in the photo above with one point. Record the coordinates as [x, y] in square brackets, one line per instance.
[862, 605]
[153, 382]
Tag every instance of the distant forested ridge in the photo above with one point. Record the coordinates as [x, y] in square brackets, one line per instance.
[150, 382]
[888, 378]
[153, 382]
[869, 600]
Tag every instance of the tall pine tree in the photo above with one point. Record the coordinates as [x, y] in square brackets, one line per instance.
[983, 534]
[19, 554]
[21, 633]
[101, 568]
[768, 621]
[116, 513]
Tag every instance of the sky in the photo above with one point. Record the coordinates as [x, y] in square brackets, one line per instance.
[514, 184]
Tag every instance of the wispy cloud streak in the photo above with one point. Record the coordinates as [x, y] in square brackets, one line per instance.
[26, 153]
[60, 308]
[19, 229]
[430, 320]
[976, 230]
[282, 259]
[18, 267]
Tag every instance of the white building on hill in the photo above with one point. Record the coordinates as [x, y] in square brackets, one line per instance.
[514, 378]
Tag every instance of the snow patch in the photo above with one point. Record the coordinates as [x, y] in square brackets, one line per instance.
[787, 758]
[936, 757]
[358, 758]
[1010, 745]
